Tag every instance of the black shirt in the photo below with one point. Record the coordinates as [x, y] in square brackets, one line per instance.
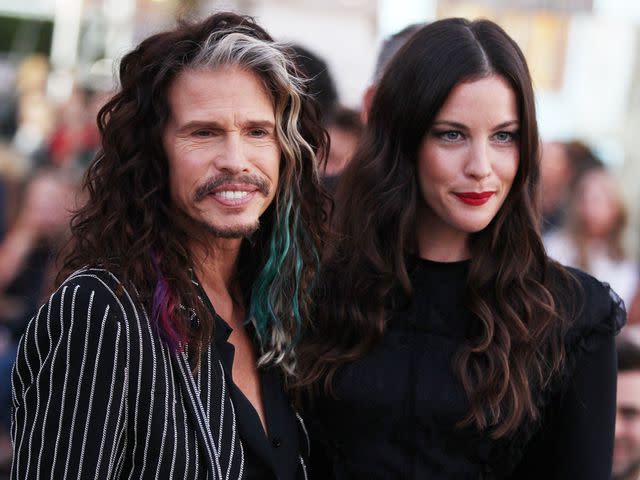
[397, 408]
[272, 456]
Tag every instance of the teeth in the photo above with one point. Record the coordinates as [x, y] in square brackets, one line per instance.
[232, 194]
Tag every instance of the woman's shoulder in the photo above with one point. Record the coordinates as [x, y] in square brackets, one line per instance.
[593, 305]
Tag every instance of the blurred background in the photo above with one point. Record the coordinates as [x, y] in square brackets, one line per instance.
[57, 59]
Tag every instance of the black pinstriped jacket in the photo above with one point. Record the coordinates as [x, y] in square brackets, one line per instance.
[97, 394]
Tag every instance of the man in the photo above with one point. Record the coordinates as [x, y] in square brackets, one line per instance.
[626, 454]
[164, 354]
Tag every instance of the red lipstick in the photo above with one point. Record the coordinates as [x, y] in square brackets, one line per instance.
[474, 198]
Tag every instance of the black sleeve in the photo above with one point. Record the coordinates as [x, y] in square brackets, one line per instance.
[576, 440]
[69, 389]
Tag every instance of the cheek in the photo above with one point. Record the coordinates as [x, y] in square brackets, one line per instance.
[507, 169]
[270, 164]
[436, 167]
[182, 180]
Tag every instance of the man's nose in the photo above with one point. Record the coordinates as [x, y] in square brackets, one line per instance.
[231, 157]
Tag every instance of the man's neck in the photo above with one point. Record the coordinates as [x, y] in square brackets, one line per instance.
[217, 263]
[216, 268]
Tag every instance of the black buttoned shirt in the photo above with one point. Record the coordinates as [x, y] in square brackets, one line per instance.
[268, 455]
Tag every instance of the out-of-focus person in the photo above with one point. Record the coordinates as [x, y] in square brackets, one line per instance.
[343, 124]
[555, 177]
[626, 453]
[31, 78]
[27, 269]
[592, 239]
[344, 128]
[40, 225]
[320, 83]
[561, 165]
[34, 115]
[388, 49]
[634, 308]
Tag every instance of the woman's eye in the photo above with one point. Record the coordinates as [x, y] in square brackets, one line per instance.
[451, 135]
[505, 137]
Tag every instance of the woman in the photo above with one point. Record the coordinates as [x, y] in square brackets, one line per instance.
[448, 345]
[593, 237]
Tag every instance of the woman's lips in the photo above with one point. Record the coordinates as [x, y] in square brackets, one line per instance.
[474, 198]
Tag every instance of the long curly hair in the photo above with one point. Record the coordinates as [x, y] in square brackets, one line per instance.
[130, 226]
[511, 281]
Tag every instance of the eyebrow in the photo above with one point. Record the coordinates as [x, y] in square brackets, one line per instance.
[197, 124]
[462, 126]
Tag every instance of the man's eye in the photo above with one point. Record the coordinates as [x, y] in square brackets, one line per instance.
[202, 133]
[258, 132]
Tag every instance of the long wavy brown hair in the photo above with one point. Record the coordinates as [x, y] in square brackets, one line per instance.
[130, 226]
[511, 282]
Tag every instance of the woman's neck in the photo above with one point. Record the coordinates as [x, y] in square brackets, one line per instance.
[441, 244]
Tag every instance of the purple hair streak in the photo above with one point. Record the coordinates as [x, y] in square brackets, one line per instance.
[163, 309]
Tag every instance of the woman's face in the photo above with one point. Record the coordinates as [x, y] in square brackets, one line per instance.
[596, 204]
[467, 162]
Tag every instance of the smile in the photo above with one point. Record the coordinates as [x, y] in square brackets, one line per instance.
[231, 194]
[234, 195]
[474, 198]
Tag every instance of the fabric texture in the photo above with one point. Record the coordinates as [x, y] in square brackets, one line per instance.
[97, 394]
[397, 408]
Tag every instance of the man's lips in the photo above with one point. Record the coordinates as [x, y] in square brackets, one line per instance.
[234, 187]
[233, 195]
[474, 198]
[216, 186]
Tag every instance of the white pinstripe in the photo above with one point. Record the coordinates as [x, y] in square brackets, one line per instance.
[109, 402]
[93, 389]
[37, 385]
[166, 412]
[82, 365]
[66, 372]
[74, 392]
[173, 424]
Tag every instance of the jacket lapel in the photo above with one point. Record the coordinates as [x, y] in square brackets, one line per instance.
[197, 413]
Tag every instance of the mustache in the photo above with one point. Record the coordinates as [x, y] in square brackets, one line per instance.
[247, 179]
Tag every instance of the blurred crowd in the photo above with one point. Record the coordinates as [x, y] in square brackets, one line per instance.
[45, 145]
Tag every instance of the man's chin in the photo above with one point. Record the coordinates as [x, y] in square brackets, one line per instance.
[232, 231]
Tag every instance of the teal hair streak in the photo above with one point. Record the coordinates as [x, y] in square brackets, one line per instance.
[276, 290]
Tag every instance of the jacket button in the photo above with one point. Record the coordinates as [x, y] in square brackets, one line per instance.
[276, 442]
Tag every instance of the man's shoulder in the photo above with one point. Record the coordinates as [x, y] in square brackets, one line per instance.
[102, 288]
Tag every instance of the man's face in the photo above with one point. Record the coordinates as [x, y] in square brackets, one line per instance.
[224, 157]
[626, 454]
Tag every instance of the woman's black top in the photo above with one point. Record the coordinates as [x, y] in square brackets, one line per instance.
[397, 408]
